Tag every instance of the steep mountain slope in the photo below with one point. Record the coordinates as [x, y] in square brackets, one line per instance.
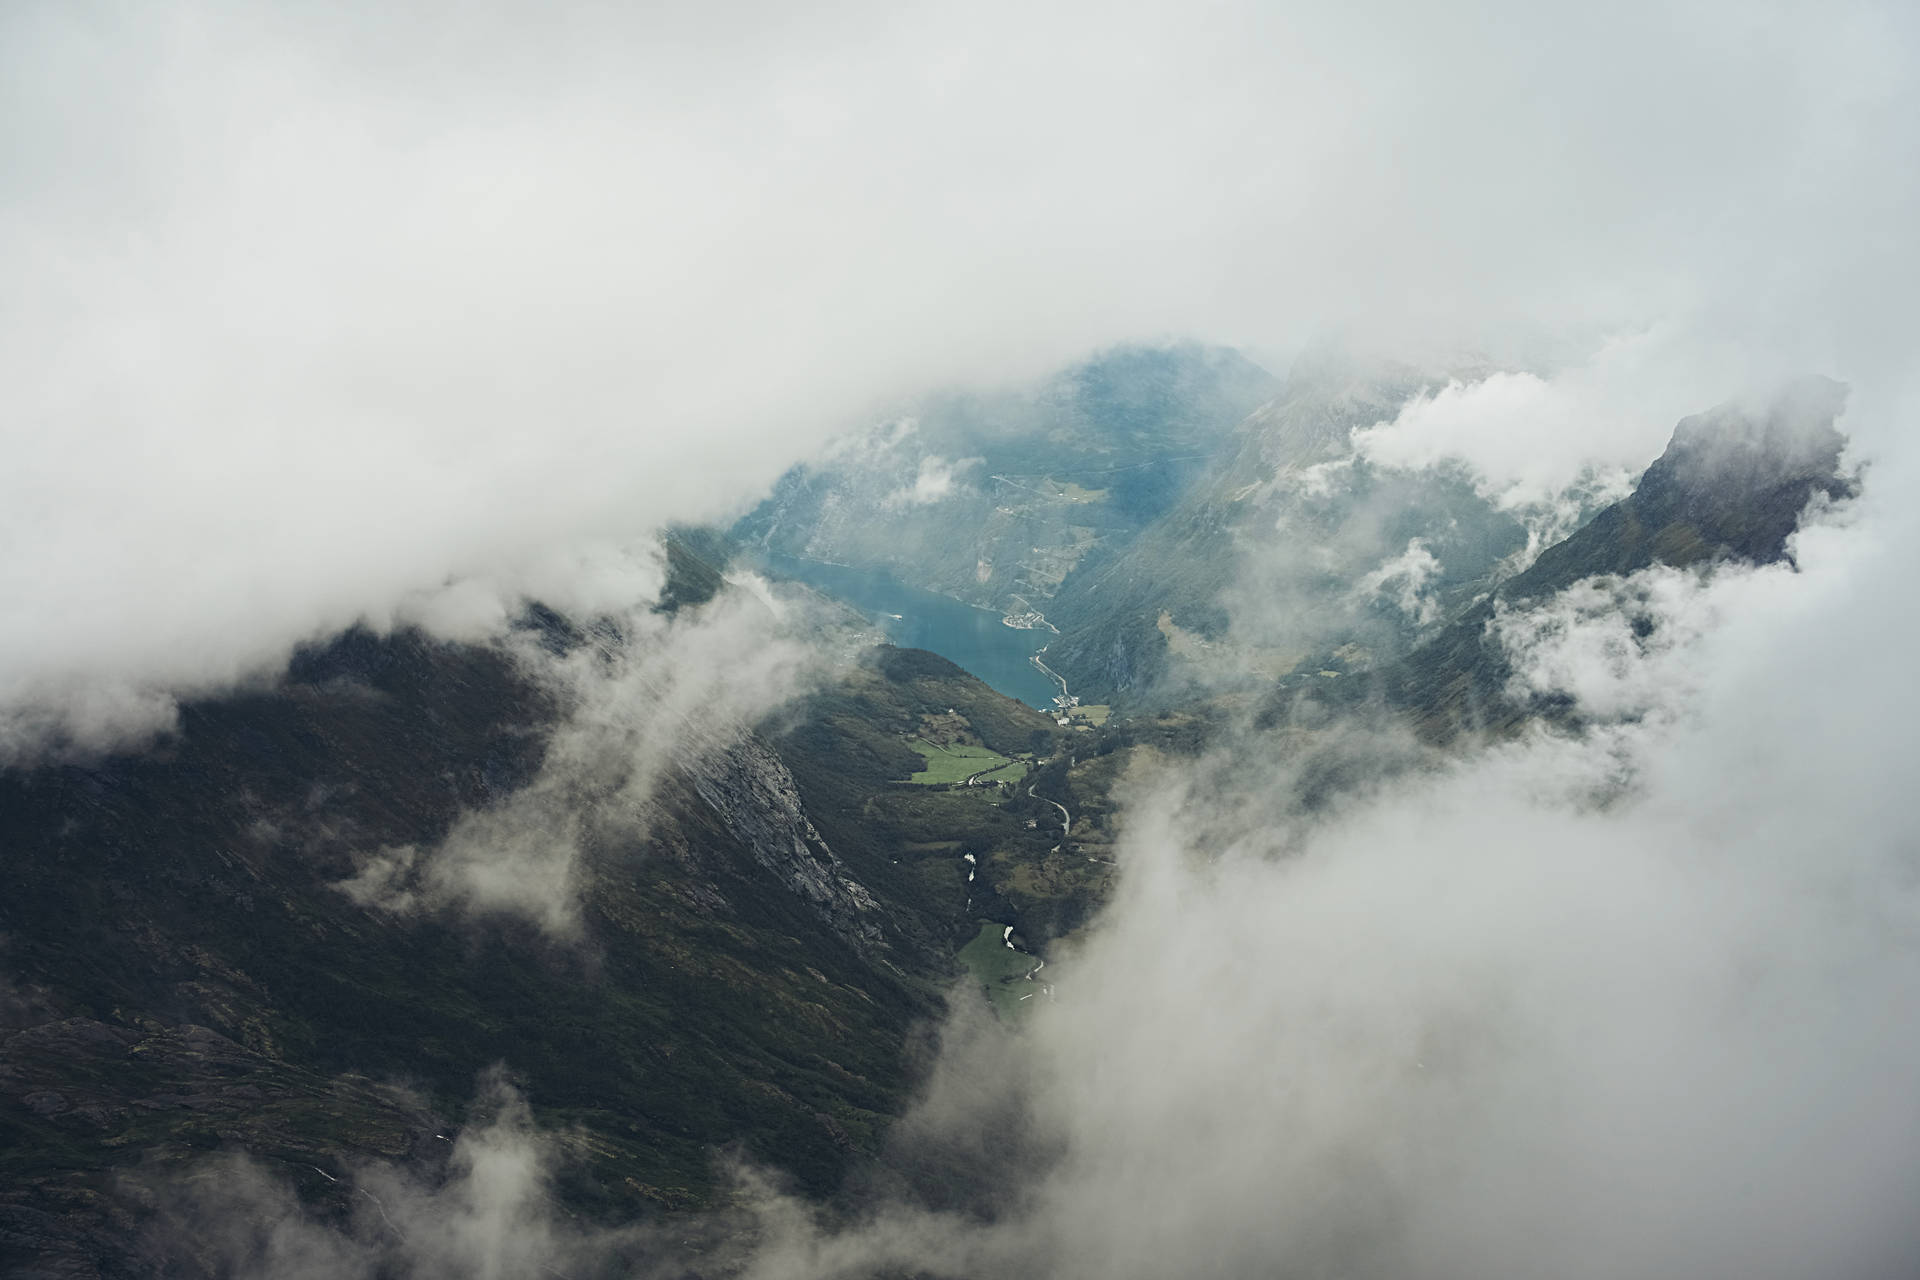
[185, 973]
[1731, 485]
[913, 842]
[995, 499]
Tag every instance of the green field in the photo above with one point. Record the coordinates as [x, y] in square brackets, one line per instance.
[999, 969]
[958, 763]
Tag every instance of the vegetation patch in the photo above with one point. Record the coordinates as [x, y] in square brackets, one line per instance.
[957, 763]
[1000, 970]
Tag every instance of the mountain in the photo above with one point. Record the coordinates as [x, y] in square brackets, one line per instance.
[190, 972]
[1732, 485]
[1138, 501]
[994, 499]
[227, 944]
[913, 842]
[1285, 530]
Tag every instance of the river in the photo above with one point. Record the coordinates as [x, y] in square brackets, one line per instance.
[974, 639]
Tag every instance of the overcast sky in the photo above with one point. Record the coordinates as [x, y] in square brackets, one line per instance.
[311, 309]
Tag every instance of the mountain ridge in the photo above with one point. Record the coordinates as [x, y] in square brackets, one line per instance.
[1732, 484]
[186, 976]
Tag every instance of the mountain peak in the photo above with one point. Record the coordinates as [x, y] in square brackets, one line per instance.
[1732, 484]
[1747, 447]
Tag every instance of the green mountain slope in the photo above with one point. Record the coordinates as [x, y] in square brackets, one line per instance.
[184, 976]
[851, 756]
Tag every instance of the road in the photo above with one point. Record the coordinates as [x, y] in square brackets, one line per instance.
[1051, 672]
[1066, 819]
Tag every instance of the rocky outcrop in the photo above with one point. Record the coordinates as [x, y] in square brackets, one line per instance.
[756, 797]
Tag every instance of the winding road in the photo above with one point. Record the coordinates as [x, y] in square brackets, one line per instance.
[1066, 819]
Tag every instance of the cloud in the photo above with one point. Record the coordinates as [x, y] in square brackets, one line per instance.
[317, 314]
[1526, 437]
[1553, 445]
[935, 480]
[645, 695]
[1617, 647]
[313, 311]
[1403, 581]
[1612, 1003]
[487, 1212]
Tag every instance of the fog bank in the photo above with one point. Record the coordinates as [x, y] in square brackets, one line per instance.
[314, 311]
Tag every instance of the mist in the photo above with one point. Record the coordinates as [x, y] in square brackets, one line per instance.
[643, 694]
[325, 316]
[1622, 1002]
[316, 311]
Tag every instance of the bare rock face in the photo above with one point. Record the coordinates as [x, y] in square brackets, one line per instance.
[758, 800]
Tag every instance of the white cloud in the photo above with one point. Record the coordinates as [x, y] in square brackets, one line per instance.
[1403, 582]
[1469, 1022]
[934, 481]
[664, 693]
[1526, 437]
[1617, 646]
[1475, 1020]
[490, 1215]
[311, 311]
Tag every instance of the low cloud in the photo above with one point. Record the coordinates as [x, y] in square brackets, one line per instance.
[1595, 1004]
[487, 1212]
[81, 709]
[643, 695]
[936, 479]
[1604, 1003]
[1403, 583]
[1552, 446]
[457, 292]
[1621, 648]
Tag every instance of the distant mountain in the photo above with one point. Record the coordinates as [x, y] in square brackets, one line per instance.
[1141, 499]
[1284, 531]
[994, 499]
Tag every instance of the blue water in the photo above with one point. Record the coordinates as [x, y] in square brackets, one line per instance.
[974, 639]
